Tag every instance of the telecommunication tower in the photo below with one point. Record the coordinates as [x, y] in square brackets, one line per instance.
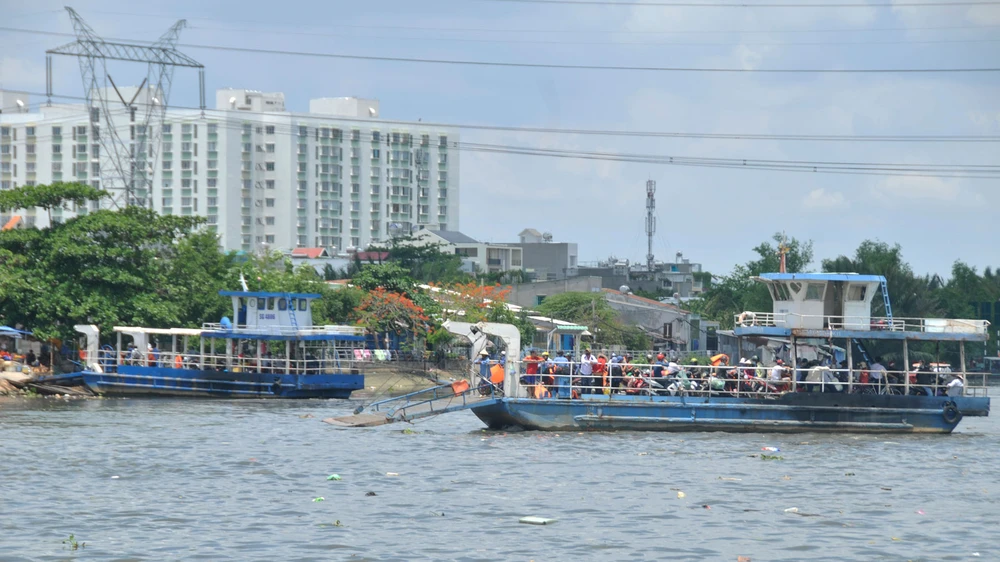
[650, 221]
[126, 164]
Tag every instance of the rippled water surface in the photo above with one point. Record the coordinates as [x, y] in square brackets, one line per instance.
[206, 480]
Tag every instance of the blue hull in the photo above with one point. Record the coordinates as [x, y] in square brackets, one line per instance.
[791, 413]
[159, 381]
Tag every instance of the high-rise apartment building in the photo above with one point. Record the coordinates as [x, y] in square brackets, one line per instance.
[263, 177]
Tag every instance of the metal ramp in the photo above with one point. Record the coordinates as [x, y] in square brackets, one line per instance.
[433, 401]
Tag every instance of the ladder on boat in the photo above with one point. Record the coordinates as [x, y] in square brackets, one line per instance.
[864, 352]
[885, 297]
[291, 311]
[440, 399]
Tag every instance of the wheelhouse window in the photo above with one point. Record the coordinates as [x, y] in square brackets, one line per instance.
[270, 303]
[857, 293]
[261, 303]
[303, 303]
[282, 304]
[815, 291]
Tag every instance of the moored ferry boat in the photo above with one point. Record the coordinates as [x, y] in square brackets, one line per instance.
[858, 396]
[272, 350]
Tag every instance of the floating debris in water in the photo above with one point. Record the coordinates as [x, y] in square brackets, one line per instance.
[730, 479]
[792, 510]
[532, 520]
[643, 454]
[680, 495]
[392, 474]
[771, 457]
[369, 494]
[848, 474]
[333, 477]
[742, 559]
[319, 499]
[115, 477]
[886, 489]
[921, 512]
[770, 449]
[306, 416]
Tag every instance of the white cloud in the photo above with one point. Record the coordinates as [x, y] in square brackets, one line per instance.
[899, 188]
[823, 199]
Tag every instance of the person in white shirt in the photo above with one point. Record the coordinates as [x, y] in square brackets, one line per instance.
[587, 362]
[878, 374]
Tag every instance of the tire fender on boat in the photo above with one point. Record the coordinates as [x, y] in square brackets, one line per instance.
[951, 413]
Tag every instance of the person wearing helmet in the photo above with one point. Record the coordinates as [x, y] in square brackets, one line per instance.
[659, 365]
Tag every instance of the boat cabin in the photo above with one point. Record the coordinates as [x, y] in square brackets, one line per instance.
[265, 311]
[819, 301]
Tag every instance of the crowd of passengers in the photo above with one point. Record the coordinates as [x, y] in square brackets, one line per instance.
[561, 376]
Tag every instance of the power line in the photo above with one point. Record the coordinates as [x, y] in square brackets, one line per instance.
[746, 5]
[638, 134]
[963, 171]
[554, 66]
[570, 31]
[604, 43]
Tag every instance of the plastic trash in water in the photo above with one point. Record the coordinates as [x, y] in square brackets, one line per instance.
[371, 494]
[319, 499]
[392, 474]
[532, 520]
[770, 449]
[792, 510]
[333, 477]
[116, 477]
[680, 495]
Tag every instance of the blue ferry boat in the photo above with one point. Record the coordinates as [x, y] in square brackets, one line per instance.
[860, 396]
[272, 350]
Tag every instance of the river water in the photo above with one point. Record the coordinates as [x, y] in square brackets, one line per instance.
[238, 480]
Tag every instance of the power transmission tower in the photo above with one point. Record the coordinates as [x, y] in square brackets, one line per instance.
[650, 221]
[129, 135]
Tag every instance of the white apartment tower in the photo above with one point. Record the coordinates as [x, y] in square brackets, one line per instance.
[264, 178]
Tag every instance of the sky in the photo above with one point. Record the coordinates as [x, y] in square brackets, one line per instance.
[715, 216]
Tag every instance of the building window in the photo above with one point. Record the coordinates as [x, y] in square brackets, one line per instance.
[269, 221]
[269, 166]
[269, 202]
[269, 129]
[269, 184]
[303, 131]
[269, 147]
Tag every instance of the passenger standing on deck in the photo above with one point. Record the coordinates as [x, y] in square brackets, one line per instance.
[879, 376]
[587, 363]
[532, 364]
[563, 369]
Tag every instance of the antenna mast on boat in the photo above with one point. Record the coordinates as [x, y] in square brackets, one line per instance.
[650, 221]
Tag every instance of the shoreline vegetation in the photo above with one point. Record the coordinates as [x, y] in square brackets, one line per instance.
[132, 266]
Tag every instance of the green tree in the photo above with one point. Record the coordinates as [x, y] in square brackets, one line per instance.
[388, 276]
[107, 268]
[49, 196]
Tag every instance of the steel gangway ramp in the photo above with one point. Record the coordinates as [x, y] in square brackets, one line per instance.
[441, 399]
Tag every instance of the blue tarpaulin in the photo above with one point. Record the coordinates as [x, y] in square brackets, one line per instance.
[7, 331]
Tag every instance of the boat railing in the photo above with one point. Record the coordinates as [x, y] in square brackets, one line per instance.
[288, 330]
[331, 362]
[863, 323]
[637, 379]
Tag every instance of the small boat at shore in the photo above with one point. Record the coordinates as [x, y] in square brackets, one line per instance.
[858, 396]
[271, 351]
